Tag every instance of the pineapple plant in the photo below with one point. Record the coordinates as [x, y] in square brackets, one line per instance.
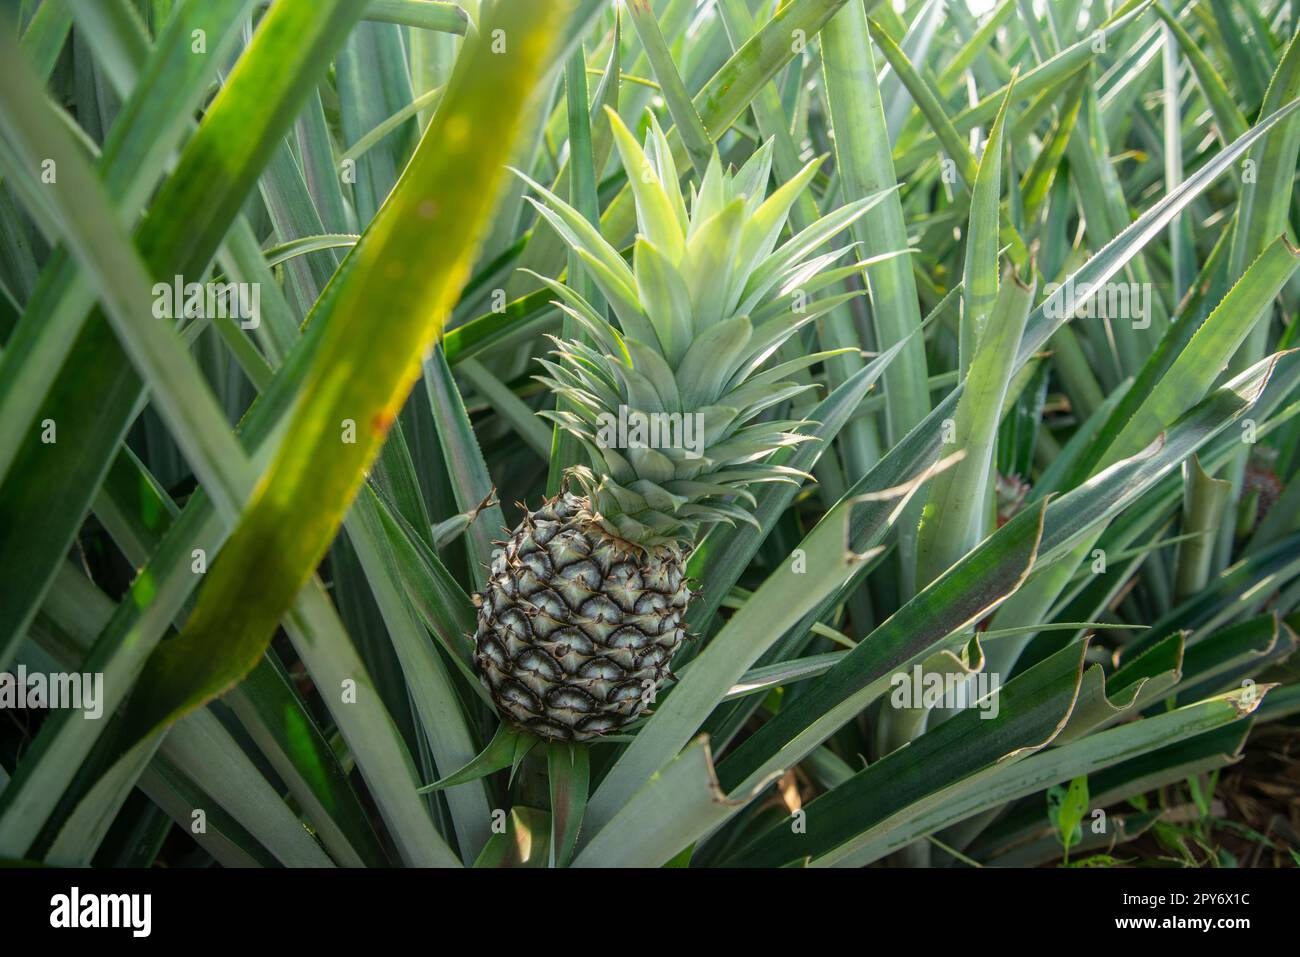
[584, 607]
[796, 370]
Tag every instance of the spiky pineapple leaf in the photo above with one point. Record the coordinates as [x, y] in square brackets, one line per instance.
[507, 749]
[298, 507]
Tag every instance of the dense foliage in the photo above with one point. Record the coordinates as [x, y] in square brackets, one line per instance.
[989, 541]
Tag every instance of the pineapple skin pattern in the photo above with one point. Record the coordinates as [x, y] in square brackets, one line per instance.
[577, 627]
[584, 606]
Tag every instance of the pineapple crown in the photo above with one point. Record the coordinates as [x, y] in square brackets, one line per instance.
[667, 404]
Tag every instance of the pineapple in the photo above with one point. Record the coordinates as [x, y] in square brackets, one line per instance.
[585, 604]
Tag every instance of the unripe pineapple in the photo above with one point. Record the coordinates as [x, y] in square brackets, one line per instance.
[576, 624]
[584, 607]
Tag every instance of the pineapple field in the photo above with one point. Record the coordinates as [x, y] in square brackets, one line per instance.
[649, 433]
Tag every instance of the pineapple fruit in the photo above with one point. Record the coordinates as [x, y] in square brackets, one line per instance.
[585, 604]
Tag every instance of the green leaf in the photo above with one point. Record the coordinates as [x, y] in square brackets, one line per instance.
[1196, 754]
[1200, 363]
[671, 810]
[723, 99]
[865, 167]
[680, 107]
[565, 449]
[1065, 809]
[471, 484]
[514, 410]
[966, 592]
[1227, 658]
[1226, 113]
[1204, 499]
[422, 14]
[824, 561]
[96, 394]
[725, 552]
[46, 32]
[957, 515]
[960, 597]
[1015, 720]
[1013, 780]
[508, 747]
[980, 273]
[525, 842]
[302, 498]
[429, 682]
[202, 754]
[1045, 76]
[958, 152]
[150, 125]
[569, 773]
[88, 226]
